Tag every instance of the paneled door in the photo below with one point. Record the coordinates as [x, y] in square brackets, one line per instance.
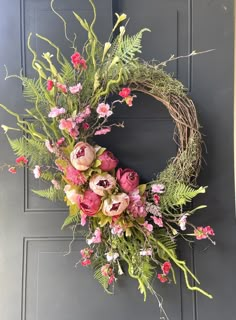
[37, 280]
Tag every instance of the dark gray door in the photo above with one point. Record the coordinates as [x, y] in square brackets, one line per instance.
[37, 282]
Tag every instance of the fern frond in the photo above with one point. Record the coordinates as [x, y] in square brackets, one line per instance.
[70, 220]
[50, 194]
[67, 72]
[32, 90]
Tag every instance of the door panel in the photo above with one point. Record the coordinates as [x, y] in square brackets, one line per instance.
[37, 281]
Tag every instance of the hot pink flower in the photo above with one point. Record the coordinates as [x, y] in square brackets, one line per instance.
[75, 176]
[208, 230]
[55, 112]
[200, 233]
[37, 172]
[21, 160]
[102, 183]
[50, 85]
[148, 226]
[162, 277]
[125, 92]
[60, 141]
[104, 110]
[85, 126]
[158, 221]
[96, 238]
[156, 199]
[128, 179]
[75, 59]
[83, 64]
[82, 156]
[12, 170]
[85, 262]
[108, 161]
[102, 131]
[166, 267]
[76, 89]
[66, 124]
[62, 87]
[115, 205]
[49, 146]
[158, 188]
[89, 203]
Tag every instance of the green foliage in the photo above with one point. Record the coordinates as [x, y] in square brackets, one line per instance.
[70, 220]
[32, 149]
[50, 194]
[178, 195]
[67, 71]
[32, 90]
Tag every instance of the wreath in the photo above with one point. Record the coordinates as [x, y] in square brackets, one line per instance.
[130, 226]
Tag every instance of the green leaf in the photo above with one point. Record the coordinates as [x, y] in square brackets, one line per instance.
[50, 194]
[70, 220]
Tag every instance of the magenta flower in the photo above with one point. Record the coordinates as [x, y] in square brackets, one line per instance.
[89, 203]
[102, 131]
[104, 110]
[55, 112]
[37, 172]
[128, 179]
[108, 161]
[102, 183]
[125, 92]
[82, 156]
[76, 89]
[75, 176]
[162, 277]
[96, 238]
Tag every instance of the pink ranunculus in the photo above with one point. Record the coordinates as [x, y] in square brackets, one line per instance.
[82, 156]
[128, 179]
[96, 238]
[125, 92]
[148, 226]
[50, 85]
[158, 221]
[102, 183]
[103, 130]
[71, 194]
[166, 267]
[75, 176]
[62, 87]
[76, 89]
[162, 277]
[115, 205]
[37, 172]
[158, 188]
[89, 203]
[49, 146]
[104, 110]
[108, 161]
[55, 112]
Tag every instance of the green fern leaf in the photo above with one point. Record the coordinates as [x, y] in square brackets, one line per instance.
[50, 194]
[70, 220]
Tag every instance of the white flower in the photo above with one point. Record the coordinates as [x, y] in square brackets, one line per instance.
[182, 222]
[147, 252]
[37, 172]
[111, 256]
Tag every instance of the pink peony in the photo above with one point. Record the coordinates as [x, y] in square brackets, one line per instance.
[128, 179]
[96, 238]
[37, 172]
[89, 203]
[103, 110]
[158, 221]
[75, 89]
[55, 112]
[108, 161]
[102, 183]
[166, 267]
[82, 156]
[102, 131]
[115, 205]
[125, 92]
[75, 176]
[71, 194]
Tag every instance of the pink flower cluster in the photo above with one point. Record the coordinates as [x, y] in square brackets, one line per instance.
[107, 271]
[203, 232]
[86, 255]
[166, 267]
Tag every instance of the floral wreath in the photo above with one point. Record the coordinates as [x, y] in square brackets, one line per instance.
[128, 223]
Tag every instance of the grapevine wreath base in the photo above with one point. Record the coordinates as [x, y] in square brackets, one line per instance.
[127, 223]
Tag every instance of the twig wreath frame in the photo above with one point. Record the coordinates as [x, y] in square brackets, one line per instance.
[128, 223]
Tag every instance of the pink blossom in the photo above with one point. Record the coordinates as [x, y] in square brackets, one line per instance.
[182, 222]
[129, 100]
[83, 219]
[162, 277]
[74, 132]
[12, 170]
[146, 252]
[66, 124]
[157, 221]
[102, 131]
[49, 146]
[156, 199]
[75, 176]
[203, 233]
[60, 141]
[166, 267]
[117, 230]
[125, 92]
[37, 172]
[76, 89]
[56, 184]
[137, 204]
[96, 238]
[208, 230]
[50, 84]
[62, 87]
[55, 112]
[158, 188]
[21, 160]
[104, 110]
[86, 253]
[107, 271]
[85, 262]
[148, 226]
[85, 126]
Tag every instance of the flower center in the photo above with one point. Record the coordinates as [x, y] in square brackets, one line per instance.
[115, 206]
[81, 152]
[84, 206]
[132, 176]
[103, 183]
